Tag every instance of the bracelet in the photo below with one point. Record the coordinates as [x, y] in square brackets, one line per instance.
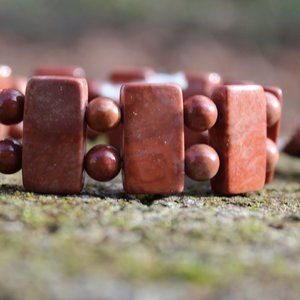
[242, 119]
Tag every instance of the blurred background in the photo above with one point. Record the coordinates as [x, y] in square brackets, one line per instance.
[255, 40]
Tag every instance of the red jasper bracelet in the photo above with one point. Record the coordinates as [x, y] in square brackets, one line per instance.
[243, 123]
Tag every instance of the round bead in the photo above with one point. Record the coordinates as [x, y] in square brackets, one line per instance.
[273, 109]
[200, 113]
[10, 156]
[103, 114]
[103, 162]
[201, 162]
[11, 106]
[272, 155]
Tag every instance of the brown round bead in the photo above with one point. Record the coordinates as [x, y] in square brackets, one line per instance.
[10, 156]
[15, 131]
[103, 162]
[103, 114]
[272, 155]
[11, 106]
[201, 162]
[200, 113]
[273, 109]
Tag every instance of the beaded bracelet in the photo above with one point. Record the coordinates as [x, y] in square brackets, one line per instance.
[243, 123]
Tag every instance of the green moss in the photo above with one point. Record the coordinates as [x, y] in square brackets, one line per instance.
[195, 238]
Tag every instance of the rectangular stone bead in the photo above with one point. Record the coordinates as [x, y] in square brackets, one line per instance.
[239, 137]
[54, 134]
[273, 131]
[153, 139]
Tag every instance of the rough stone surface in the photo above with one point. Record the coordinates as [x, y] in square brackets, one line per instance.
[273, 131]
[153, 150]
[239, 137]
[105, 244]
[54, 134]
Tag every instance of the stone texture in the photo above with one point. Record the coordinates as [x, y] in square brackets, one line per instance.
[11, 106]
[239, 137]
[201, 162]
[273, 131]
[10, 156]
[200, 113]
[54, 134]
[103, 114]
[153, 138]
[103, 163]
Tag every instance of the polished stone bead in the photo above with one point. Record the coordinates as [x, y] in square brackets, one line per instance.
[11, 106]
[273, 131]
[239, 137]
[103, 114]
[10, 156]
[272, 155]
[103, 163]
[54, 134]
[153, 150]
[273, 109]
[200, 113]
[201, 162]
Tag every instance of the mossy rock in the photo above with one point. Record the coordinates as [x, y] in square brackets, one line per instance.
[104, 244]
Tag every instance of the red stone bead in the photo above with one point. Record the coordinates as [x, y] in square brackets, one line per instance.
[54, 134]
[153, 150]
[239, 137]
[273, 131]
[273, 109]
[272, 155]
[200, 113]
[10, 156]
[103, 163]
[103, 114]
[201, 162]
[11, 106]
